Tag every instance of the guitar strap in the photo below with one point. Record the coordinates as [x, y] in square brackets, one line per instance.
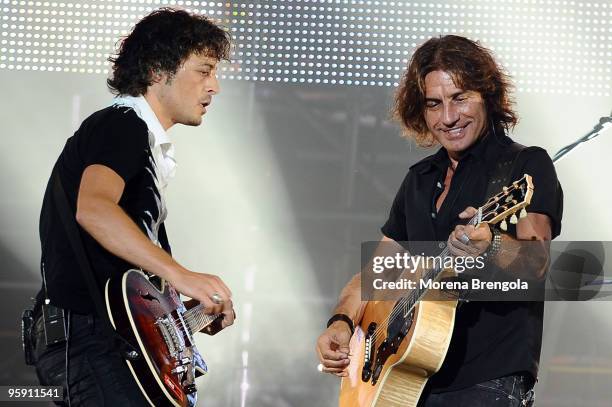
[500, 176]
[72, 231]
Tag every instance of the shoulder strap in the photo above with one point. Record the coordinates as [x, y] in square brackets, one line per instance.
[70, 225]
[500, 176]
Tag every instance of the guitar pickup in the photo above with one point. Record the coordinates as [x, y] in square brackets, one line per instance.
[179, 369]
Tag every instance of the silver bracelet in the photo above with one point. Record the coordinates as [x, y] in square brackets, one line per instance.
[495, 245]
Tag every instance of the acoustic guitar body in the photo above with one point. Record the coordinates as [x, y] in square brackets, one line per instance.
[399, 365]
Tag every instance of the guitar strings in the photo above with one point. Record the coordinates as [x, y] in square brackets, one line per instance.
[416, 295]
[195, 315]
[193, 318]
[195, 321]
[432, 273]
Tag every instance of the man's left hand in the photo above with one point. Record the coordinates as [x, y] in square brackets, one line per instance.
[469, 240]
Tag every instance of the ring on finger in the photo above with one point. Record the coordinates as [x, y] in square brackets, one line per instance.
[464, 239]
[216, 298]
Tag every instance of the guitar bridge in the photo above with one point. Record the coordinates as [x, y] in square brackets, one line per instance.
[173, 339]
[370, 342]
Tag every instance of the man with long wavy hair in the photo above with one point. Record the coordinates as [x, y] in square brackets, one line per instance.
[114, 171]
[455, 95]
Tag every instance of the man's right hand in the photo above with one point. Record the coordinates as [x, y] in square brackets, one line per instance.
[202, 287]
[333, 348]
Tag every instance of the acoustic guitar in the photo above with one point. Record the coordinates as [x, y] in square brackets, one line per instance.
[399, 345]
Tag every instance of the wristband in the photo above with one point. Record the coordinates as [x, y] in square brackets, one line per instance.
[342, 317]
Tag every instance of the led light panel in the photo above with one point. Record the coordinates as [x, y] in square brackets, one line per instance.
[547, 46]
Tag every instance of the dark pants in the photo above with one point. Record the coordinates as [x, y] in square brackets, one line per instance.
[98, 374]
[509, 391]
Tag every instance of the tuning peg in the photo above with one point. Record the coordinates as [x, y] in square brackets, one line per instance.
[523, 213]
[513, 219]
[503, 225]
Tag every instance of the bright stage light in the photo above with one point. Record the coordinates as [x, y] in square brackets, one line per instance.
[536, 40]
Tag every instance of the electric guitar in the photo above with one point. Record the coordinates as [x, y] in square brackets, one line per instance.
[399, 345]
[160, 329]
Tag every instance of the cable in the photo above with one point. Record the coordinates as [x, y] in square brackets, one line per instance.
[599, 127]
[68, 358]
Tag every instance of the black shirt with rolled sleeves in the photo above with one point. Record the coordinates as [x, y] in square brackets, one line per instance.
[490, 339]
[118, 139]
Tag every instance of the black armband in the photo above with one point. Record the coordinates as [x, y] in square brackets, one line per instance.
[342, 317]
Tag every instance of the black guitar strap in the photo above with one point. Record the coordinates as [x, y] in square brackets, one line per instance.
[72, 231]
[500, 176]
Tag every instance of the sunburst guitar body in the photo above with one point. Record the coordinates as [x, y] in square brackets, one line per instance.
[156, 323]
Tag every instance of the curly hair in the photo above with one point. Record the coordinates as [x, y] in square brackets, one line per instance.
[471, 66]
[161, 42]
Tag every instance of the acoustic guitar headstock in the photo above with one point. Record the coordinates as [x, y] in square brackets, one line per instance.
[512, 199]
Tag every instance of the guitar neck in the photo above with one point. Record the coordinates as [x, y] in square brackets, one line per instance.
[197, 320]
[418, 293]
[513, 198]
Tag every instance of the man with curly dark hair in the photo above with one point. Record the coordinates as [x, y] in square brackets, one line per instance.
[455, 95]
[114, 171]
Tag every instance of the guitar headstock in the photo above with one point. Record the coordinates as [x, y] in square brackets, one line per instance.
[513, 198]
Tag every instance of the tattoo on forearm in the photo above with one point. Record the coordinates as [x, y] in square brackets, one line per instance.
[524, 258]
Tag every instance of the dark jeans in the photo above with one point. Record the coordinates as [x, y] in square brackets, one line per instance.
[98, 374]
[509, 391]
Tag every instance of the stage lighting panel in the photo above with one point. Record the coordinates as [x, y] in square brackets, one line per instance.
[534, 39]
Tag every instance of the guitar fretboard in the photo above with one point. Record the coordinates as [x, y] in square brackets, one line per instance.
[407, 303]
